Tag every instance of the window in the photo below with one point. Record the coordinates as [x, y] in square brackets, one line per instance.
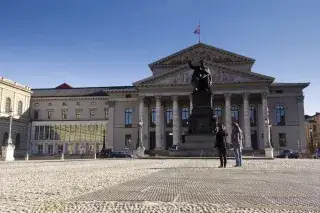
[153, 117]
[235, 113]
[49, 104]
[78, 114]
[282, 140]
[252, 111]
[64, 114]
[5, 139]
[127, 141]
[19, 108]
[17, 143]
[218, 113]
[128, 117]
[8, 105]
[46, 132]
[40, 148]
[36, 133]
[93, 103]
[128, 96]
[50, 114]
[35, 114]
[92, 113]
[41, 137]
[169, 116]
[50, 149]
[64, 103]
[185, 116]
[280, 115]
[60, 148]
[78, 103]
[36, 104]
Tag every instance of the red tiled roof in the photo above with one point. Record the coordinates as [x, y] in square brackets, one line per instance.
[64, 86]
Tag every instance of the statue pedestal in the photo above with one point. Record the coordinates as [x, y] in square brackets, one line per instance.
[8, 152]
[268, 152]
[140, 151]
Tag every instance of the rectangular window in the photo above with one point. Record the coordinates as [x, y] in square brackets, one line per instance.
[41, 133]
[78, 114]
[282, 140]
[50, 149]
[47, 131]
[127, 141]
[40, 148]
[35, 114]
[36, 133]
[50, 114]
[60, 148]
[64, 114]
[92, 113]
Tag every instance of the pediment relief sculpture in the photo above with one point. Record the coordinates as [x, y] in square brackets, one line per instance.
[200, 54]
[218, 76]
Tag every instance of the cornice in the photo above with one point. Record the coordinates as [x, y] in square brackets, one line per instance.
[53, 98]
[15, 85]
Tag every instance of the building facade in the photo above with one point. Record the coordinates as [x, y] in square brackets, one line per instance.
[75, 120]
[312, 128]
[15, 102]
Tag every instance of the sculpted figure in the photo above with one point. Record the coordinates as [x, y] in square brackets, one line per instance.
[201, 78]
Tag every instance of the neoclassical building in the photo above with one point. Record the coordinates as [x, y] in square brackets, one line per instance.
[75, 120]
[15, 102]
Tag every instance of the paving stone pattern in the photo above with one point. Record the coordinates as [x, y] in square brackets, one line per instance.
[212, 185]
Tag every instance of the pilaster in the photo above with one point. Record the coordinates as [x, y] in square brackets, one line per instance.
[176, 120]
[158, 122]
[301, 119]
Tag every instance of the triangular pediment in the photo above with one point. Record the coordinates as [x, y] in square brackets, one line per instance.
[219, 73]
[198, 52]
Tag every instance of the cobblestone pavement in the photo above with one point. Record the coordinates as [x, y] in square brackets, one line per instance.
[161, 186]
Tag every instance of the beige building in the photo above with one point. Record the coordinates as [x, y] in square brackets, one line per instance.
[74, 120]
[15, 102]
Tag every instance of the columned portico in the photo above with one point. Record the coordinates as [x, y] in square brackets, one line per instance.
[246, 121]
[228, 116]
[176, 120]
[158, 122]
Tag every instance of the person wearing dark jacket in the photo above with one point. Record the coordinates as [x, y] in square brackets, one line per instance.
[221, 145]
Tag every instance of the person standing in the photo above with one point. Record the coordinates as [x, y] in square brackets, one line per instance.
[221, 145]
[237, 140]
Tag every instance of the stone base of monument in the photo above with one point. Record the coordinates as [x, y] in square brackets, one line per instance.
[196, 145]
[8, 152]
[268, 152]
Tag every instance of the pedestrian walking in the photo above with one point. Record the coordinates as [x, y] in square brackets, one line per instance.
[237, 140]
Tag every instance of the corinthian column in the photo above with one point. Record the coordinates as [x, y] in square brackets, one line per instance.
[176, 121]
[246, 121]
[227, 113]
[158, 122]
[141, 110]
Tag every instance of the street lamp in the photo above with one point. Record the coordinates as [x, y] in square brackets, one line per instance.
[140, 149]
[8, 150]
[103, 150]
[268, 145]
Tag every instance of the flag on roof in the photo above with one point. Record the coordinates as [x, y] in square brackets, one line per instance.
[197, 30]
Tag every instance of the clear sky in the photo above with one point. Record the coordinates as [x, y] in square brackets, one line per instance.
[44, 43]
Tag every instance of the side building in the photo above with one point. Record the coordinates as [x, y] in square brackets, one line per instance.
[75, 120]
[15, 102]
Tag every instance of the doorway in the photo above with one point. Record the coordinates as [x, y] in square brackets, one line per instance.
[169, 139]
[254, 140]
[152, 143]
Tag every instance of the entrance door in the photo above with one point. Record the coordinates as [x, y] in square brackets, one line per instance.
[152, 142]
[254, 140]
[169, 139]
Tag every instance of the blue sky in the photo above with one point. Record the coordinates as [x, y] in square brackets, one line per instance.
[111, 42]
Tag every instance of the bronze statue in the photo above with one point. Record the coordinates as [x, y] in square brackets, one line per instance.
[201, 78]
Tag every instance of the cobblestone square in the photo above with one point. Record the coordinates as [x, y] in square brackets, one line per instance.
[185, 185]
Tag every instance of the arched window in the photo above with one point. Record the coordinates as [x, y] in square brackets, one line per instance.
[218, 113]
[169, 116]
[128, 117]
[5, 139]
[184, 116]
[8, 105]
[235, 113]
[153, 117]
[280, 115]
[17, 143]
[253, 112]
[20, 108]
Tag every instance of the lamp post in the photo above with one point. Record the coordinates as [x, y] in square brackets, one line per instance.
[8, 149]
[268, 149]
[140, 149]
[103, 150]
[311, 140]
